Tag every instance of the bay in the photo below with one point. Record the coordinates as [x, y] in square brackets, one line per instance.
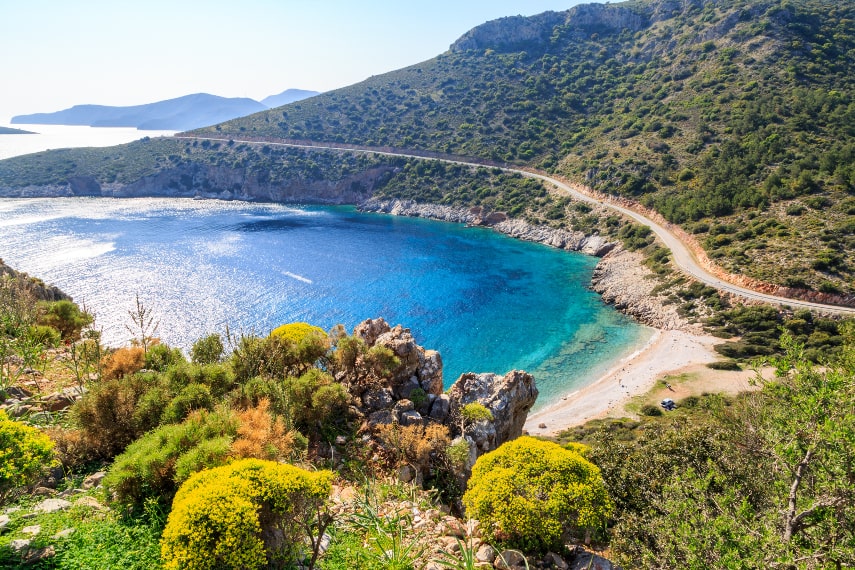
[487, 302]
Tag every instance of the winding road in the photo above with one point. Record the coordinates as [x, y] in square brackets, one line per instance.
[682, 255]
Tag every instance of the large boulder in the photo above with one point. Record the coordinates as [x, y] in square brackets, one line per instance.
[509, 398]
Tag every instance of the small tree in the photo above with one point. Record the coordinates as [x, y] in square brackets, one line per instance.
[207, 350]
[143, 324]
[472, 413]
[66, 317]
[528, 492]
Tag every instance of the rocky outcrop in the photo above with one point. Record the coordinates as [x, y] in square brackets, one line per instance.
[412, 395]
[518, 33]
[499, 221]
[37, 287]
[509, 399]
[625, 282]
[195, 180]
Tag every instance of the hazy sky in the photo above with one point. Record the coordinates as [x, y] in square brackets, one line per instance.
[59, 53]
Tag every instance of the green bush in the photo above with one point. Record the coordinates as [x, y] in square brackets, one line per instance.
[160, 357]
[207, 350]
[650, 410]
[25, 453]
[66, 317]
[45, 335]
[529, 492]
[191, 397]
[248, 514]
[314, 397]
[157, 463]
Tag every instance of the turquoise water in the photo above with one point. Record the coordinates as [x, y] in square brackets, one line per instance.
[488, 303]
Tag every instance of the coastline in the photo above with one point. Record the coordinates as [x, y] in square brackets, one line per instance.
[668, 352]
[622, 280]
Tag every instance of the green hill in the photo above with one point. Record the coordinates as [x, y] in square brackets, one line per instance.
[734, 118]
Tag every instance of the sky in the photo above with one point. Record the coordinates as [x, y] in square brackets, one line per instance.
[58, 53]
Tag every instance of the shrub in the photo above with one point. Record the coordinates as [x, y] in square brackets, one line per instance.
[45, 335]
[651, 410]
[123, 362]
[149, 467]
[248, 514]
[66, 317]
[528, 492]
[724, 365]
[313, 397]
[160, 357]
[191, 397]
[25, 453]
[414, 444]
[107, 414]
[262, 436]
[207, 350]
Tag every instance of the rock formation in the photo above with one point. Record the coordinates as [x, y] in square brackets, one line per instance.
[412, 394]
[477, 216]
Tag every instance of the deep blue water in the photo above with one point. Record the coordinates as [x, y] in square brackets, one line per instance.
[485, 301]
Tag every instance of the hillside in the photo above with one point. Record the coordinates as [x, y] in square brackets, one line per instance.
[732, 118]
[187, 112]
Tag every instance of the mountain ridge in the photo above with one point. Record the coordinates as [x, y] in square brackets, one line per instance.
[180, 113]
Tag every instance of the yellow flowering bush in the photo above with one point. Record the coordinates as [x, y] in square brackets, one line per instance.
[298, 332]
[248, 514]
[24, 454]
[528, 492]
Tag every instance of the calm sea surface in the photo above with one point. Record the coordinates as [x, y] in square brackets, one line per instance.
[64, 136]
[488, 303]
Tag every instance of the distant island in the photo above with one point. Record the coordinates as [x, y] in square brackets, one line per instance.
[287, 96]
[11, 131]
[182, 113]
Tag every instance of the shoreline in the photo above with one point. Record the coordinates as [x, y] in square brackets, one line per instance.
[667, 352]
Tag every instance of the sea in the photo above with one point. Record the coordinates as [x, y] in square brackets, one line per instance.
[486, 302]
[46, 137]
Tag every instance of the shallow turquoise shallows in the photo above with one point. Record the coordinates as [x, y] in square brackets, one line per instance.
[488, 303]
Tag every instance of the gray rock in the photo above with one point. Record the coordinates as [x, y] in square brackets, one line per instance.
[44, 492]
[64, 533]
[406, 474]
[4, 522]
[52, 506]
[510, 560]
[18, 392]
[410, 418]
[590, 561]
[486, 554]
[554, 561]
[382, 417]
[439, 409]
[33, 530]
[401, 407]
[340, 440]
[378, 399]
[34, 556]
[509, 399]
[406, 389]
[93, 480]
[430, 372]
[20, 544]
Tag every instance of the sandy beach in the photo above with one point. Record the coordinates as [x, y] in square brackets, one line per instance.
[668, 353]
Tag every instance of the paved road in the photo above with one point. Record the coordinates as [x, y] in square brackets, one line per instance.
[682, 255]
